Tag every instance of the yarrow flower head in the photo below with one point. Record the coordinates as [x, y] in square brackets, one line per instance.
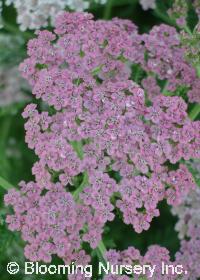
[191, 44]
[188, 227]
[166, 60]
[36, 14]
[188, 255]
[99, 146]
[180, 10]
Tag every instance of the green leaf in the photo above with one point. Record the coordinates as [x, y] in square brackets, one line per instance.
[192, 17]
[193, 114]
[5, 184]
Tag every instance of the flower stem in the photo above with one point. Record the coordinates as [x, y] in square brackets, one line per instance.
[170, 21]
[15, 30]
[78, 147]
[194, 112]
[187, 29]
[101, 250]
[165, 18]
[164, 89]
[198, 70]
[108, 9]
[81, 187]
[5, 184]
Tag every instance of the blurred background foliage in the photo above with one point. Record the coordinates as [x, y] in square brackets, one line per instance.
[16, 159]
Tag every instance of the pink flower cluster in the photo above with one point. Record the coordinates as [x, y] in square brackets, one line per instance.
[188, 227]
[155, 255]
[165, 60]
[188, 256]
[191, 45]
[99, 146]
[180, 10]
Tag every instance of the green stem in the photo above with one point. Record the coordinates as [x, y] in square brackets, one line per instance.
[198, 70]
[165, 18]
[170, 21]
[5, 184]
[195, 112]
[164, 91]
[137, 75]
[15, 30]
[187, 29]
[81, 187]
[78, 148]
[5, 128]
[101, 250]
[108, 9]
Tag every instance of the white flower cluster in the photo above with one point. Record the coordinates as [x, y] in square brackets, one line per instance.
[33, 14]
[11, 87]
[148, 4]
[188, 214]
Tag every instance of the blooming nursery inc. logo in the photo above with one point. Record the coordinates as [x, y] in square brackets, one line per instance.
[86, 271]
[104, 148]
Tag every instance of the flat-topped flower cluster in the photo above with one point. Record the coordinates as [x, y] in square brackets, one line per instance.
[188, 256]
[100, 145]
[34, 14]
